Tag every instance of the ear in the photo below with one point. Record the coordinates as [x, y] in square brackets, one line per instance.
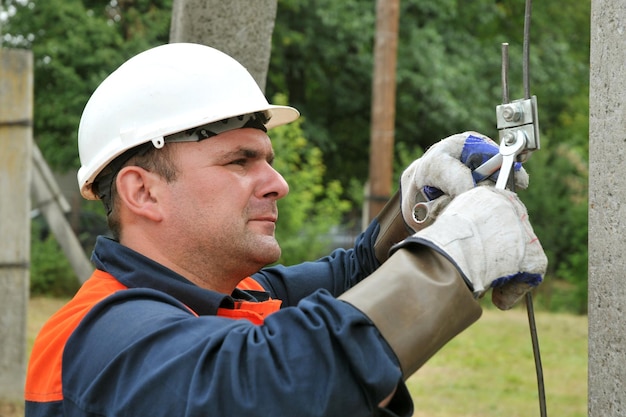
[138, 191]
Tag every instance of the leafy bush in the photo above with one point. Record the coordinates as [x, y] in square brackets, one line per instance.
[312, 208]
[50, 271]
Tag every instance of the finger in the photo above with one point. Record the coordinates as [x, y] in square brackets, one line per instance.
[521, 178]
[506, 296]
[446, 173]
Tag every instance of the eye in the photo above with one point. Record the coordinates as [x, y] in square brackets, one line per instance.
[240, 161]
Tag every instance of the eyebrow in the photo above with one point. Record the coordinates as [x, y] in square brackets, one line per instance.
[248, 153]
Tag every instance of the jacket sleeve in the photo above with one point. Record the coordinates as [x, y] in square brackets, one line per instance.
[141, 352]
[336, 272]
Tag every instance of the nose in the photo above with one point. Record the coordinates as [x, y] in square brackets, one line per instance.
[275, 186]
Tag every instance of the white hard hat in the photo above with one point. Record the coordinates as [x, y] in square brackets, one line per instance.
[162, 91]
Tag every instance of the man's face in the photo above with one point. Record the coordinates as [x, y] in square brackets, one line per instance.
[222, 205]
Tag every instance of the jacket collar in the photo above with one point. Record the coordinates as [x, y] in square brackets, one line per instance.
[135, 270]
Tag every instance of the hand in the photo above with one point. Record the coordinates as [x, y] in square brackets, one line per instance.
[485, 232]
[446, 169]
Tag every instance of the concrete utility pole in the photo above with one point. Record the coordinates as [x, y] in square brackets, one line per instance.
[240, 28]
[383, 106]
[607, 210]
[16, 112]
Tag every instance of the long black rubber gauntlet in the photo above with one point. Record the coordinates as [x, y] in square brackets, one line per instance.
[418, 301]
[392, 230]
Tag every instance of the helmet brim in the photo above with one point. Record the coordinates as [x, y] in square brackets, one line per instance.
[281, 115]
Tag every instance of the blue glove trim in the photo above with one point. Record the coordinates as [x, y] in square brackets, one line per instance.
[476, 151]
[431, 193]
[524, 277]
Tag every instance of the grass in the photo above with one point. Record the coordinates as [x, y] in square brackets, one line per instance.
[39, 309]
[486, 371]
[489, 369]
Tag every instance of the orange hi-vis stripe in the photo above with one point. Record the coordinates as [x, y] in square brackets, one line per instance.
[43, 381]
[253, 311]
[43, 378]
[250, 284]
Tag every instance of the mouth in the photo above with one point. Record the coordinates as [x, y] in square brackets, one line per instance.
[269, 218]
[266, 223]
[264, 217]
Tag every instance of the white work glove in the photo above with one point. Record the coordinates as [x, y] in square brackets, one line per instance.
[445, 171]
[485, 232]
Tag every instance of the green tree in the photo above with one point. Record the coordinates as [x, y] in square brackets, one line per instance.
[71, 58]
[76, 44]
[448, 81]
[322, 57]
[448, 68]
[312, 207]
[50, 272]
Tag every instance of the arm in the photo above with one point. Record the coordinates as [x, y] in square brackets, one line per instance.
[342, 269]
[445, 169]
[422, 296]
[143, 353]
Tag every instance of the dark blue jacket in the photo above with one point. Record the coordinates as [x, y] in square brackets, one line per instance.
[160, 347]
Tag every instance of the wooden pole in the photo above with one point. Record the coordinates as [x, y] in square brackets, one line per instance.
[16, 111]
[383, 106]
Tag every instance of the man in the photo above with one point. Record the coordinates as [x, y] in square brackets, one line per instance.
[181, 317]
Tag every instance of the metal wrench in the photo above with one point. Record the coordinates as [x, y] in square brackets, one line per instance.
[511, 146]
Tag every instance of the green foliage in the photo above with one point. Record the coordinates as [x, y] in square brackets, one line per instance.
[312, 207]
[69, 57]
[76, 44]
[448, 80]
[448, 74]
[322, 57]
[50, 271]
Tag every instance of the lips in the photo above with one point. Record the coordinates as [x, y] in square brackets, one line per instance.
[267, 213]
[265, 219]
[265, 216]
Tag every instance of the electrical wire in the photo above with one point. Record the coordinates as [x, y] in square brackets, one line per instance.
[529, 298]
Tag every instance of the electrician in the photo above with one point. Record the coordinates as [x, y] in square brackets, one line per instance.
[182, 316]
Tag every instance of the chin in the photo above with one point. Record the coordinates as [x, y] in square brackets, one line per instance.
[272, 259]
[261, 250]
[270, 255]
